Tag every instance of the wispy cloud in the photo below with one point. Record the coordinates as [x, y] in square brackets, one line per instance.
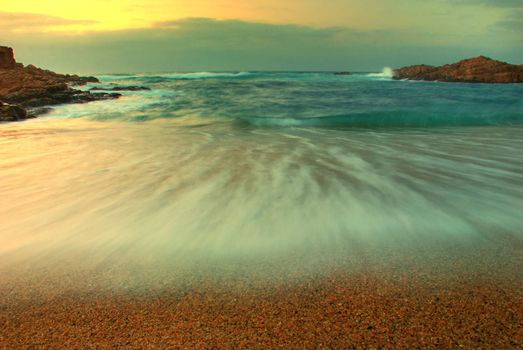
[491, 3]
[209, 31]
[513, 23]
[25, 22]
[502, 3]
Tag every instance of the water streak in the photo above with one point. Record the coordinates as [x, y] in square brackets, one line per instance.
[191, 169]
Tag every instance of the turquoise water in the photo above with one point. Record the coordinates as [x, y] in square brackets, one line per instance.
[263, 164]
[323, 99]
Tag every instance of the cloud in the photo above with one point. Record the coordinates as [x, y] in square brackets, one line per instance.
[513, 23]
[508, 15]
[23, 22]
[503, 3]
[227, 31]
[194, 44]
[491, 3]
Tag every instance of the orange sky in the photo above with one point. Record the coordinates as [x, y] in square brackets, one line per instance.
[438, 16]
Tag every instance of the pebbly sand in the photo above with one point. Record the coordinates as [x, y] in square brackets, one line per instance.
[443, 297]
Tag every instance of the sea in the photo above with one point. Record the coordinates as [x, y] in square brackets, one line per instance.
[291, 167]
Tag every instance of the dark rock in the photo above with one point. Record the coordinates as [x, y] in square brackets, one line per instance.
[76, 80]
[343, 73]
[473, 70]
[120, 88]
[87, 96]
[12, 113]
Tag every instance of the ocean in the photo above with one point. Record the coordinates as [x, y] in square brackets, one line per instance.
[264, 165]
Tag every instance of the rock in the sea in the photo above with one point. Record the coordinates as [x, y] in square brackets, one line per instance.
[120, 88]
[343, 73]
[12, 113]
[473, 70]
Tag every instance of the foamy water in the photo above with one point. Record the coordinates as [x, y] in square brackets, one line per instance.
[190, 170]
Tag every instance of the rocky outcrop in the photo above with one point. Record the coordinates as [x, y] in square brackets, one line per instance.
[7, 58]
[34, 87]
[12, 113]
[473, 70]
[342, 73]
[120, 88]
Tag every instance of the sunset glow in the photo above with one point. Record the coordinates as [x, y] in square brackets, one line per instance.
[261, 35]
[379, 14]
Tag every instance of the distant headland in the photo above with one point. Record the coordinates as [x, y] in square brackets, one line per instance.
[472, 70]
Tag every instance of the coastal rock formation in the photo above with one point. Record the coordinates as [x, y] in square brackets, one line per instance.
[473, 70]
[12, 113]
[7, 57]
[29, 86]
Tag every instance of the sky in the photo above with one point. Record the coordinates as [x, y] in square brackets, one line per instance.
[117, 36]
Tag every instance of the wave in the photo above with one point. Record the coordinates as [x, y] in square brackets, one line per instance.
[159, 78]
[386, 73]
[159, 104]
[177, 76]
[388, 119]
[303, 99]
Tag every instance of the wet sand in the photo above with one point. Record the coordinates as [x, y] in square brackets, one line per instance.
[445, 297]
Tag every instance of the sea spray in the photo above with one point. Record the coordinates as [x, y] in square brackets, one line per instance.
[386, 73]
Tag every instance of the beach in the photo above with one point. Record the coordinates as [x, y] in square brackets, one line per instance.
[472, 298]
[289, 210]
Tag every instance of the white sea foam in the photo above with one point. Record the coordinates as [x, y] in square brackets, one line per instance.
[195, 183]
[133, 105]
[161, 190]
[386, 73]
[175, 76]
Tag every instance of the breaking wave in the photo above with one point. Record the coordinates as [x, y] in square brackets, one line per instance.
[390, 119]
[386, 73]
[304, 99]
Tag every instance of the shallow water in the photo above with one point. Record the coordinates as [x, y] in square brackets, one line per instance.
[259, 165]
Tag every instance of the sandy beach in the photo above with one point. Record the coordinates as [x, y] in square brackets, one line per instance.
[140, 224]
[273, 174]
[451, 297]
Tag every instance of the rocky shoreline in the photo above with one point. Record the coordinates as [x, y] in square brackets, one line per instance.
[473, 70]
[22, 88]
[27, 91]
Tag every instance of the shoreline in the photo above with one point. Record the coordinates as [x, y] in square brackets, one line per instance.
[169, 220]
